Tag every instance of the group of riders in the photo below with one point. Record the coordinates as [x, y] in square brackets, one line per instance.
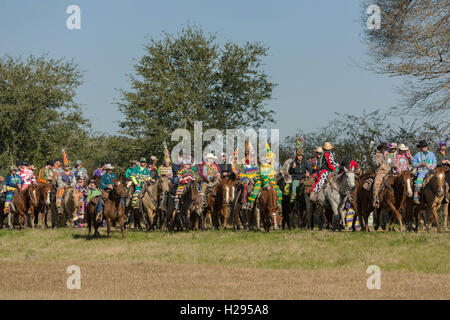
[389, 159]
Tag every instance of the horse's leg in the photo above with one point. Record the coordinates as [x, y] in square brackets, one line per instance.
[108, 226]
[398, 215]
[445, 211]
[122, 225]
[436, 217]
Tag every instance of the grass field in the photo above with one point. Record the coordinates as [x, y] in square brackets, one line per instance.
[224, 265]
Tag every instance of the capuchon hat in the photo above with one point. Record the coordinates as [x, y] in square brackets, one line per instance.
[298, 145]
[269, 154]
[166, 152]
[327, 146]
[318, 149]
[403, 147]
[383, 145]
[422, 144]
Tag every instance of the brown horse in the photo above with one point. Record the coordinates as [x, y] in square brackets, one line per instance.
[113, 207]
[431, 199]
[393, 195]
[24, 201]
[44, 191]
[219, 203]
[269, 209]
[151, 198]
[191, 203]
[364, 200]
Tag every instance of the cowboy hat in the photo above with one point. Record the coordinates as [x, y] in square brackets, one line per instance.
[142, 159]
[383, 145]
[153, 158]
[392, 145]
[210, 156]
[327, 146]
[14, 168]
[133, 162]
[422, 143]
[108, 166]
[318, 149]
[402, 147]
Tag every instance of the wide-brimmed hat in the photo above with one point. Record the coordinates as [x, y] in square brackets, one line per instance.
[392, 145]
[153, 158]
[133, 162]
[422, 143]
[210, 156]
[318, 149]
[14, 168]
[402, 147]
[108, 166]
[383, 145]
[142, 159]
[327, 146]
[78, 162]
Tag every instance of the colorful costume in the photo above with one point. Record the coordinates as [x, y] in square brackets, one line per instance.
[65, 179]
[326, 166]
[184, 176]
[45, 175]
[27, 176]
[383, 166]
[12, 183]
[402, 161]
[430, 159]
[106, 180]
[138, 176]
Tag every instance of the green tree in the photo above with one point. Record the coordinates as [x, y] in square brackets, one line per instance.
[38, 113]
[188, 77]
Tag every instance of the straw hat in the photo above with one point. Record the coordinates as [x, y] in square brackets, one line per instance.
[108, 166]
[402, 147]
[327, 146]
[392, 145]
[210, 156]
[318, 149]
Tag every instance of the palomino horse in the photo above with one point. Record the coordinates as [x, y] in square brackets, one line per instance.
[269, 209]
[431, 199]
[70, 205]
[151, 197]
[219, 203]
[22, 202]
[393, 195]
[44, 191]
[334, 195]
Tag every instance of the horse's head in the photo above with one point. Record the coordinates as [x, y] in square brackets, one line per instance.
[46, 190]
[349, 175]
[74, 195]
[228, 191]
[119, 188]
[33, 192]
[440, 180]
[406, 181]
[164, 184]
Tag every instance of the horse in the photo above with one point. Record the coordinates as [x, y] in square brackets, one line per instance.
[70, 205]
[44, 191]
[431, 199]
[267, 203]
[22, 202]
[364, 202]
[191, 203]
[219, 202]
[150, 199]
[394, 193]
[334, 195]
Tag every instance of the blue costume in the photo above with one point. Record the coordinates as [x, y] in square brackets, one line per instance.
[431, 162]
[107, 179]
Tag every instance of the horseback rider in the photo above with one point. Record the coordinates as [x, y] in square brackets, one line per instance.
[249, 172]
[403, 159]
[424, 161]
[325, 167]
[65, 179]
[79, 171]
[165, 170]
[99, 171]
[46, 173]
[210, 174]
[133, 164]
[139, 174]
[13, 183]
[443, 161]
[184, 176]
[225, 168]
[267, 174]
[27, 175]
[153, 168]
[314, 164]
[383, 162]
[105, 185]
[299, 171]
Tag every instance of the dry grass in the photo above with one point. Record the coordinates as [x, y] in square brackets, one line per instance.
[224, 265]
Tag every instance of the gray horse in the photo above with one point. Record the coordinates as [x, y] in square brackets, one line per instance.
[333, 195]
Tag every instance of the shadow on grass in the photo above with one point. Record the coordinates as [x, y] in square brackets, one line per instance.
[87, 236]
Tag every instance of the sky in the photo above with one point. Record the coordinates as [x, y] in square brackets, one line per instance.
[313, 45]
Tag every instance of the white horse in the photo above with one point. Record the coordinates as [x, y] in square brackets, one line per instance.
[334, 195]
